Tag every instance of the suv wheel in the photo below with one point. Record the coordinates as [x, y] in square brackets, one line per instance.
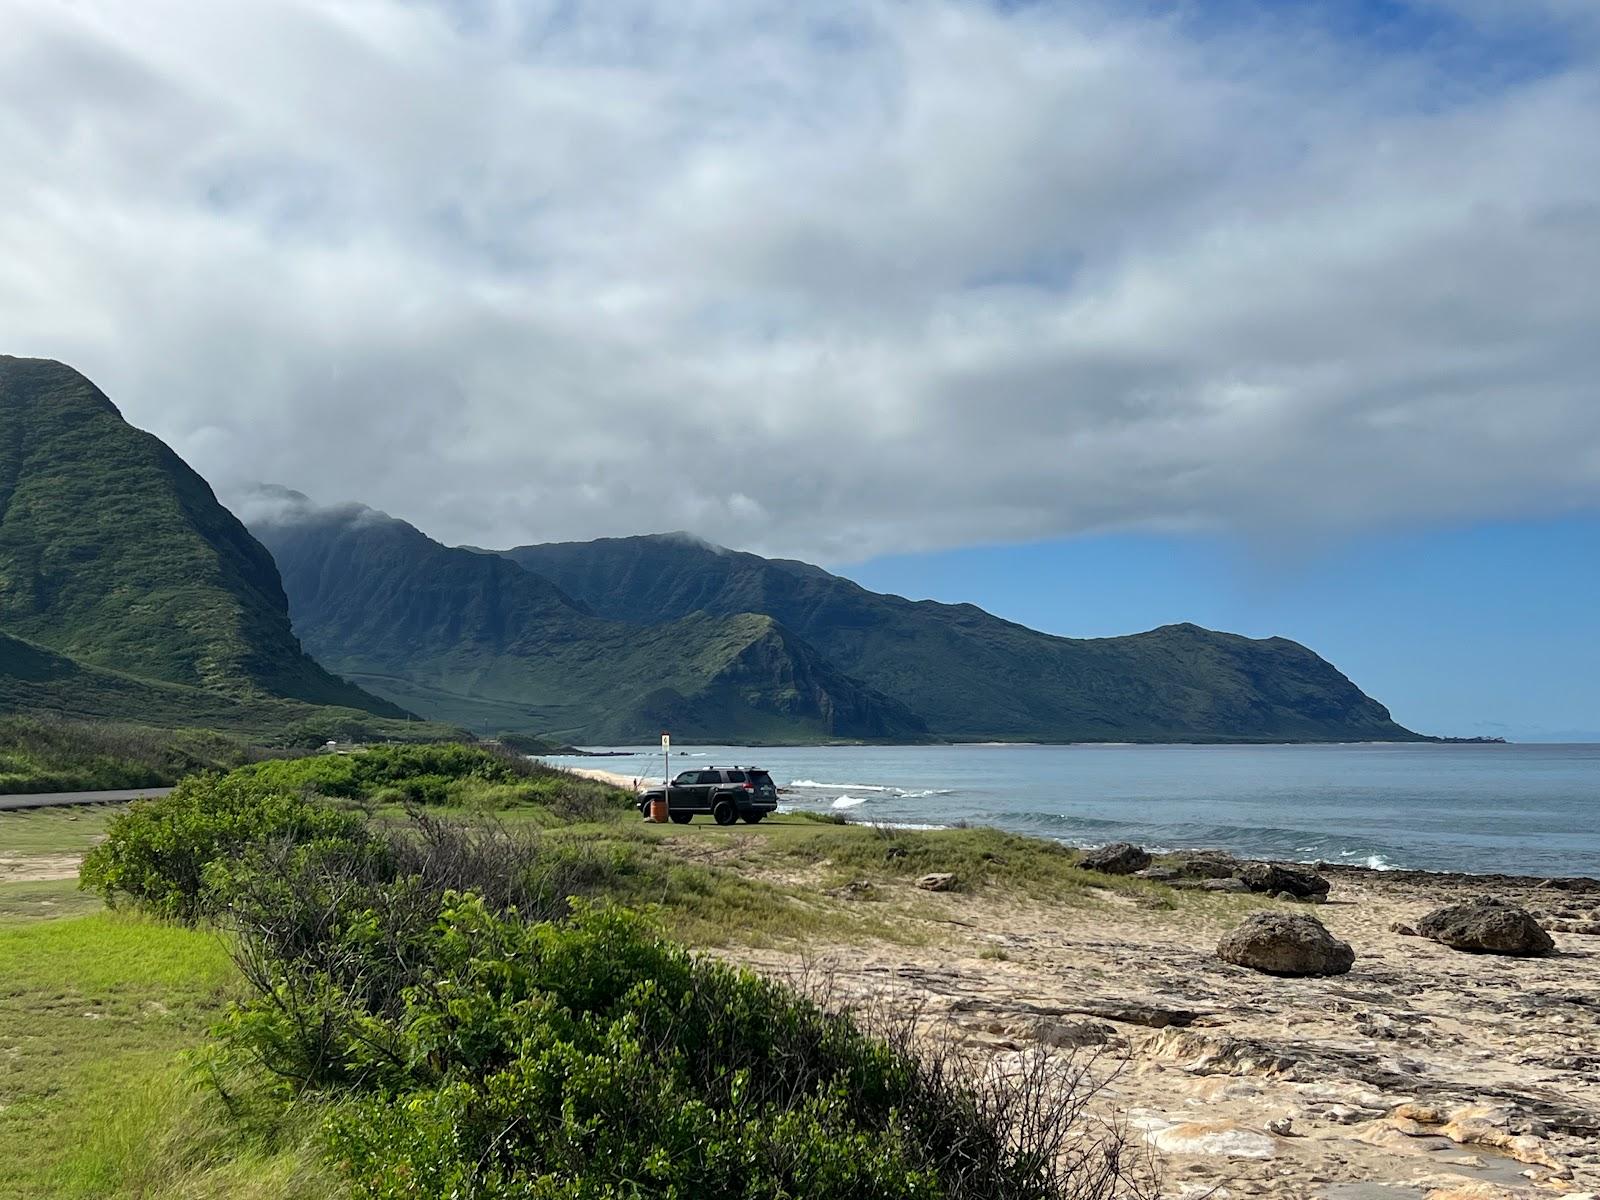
[750, 818]
[722, 812]
[681, 818]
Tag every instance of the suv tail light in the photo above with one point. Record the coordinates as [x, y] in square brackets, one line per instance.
[749, 787]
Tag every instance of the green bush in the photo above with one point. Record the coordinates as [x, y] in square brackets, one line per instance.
[592, 1058]
[164, 854]
[449, 775]
[420, 774]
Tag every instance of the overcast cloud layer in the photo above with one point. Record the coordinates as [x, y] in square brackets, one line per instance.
[821, 279]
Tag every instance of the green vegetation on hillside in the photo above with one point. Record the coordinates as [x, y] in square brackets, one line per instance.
[971, 675]
[46, 755]
[474, 639]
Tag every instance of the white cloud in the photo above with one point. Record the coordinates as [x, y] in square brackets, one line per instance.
[817, 279]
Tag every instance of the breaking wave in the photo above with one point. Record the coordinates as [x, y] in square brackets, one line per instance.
[877, 789]
[851, 787]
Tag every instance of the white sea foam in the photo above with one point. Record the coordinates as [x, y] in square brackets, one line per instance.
[1376, 862]
[853, 787]
[849, 801]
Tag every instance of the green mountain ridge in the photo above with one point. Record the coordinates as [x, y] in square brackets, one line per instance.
[973, 676]
[126, 589]
[470, 637]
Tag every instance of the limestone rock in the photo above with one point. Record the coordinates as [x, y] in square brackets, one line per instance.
[1273, 878]
[1486, 926]
[937, 881]
[1119, 858]
[1204, 864]
[1212, 885]
[1227, 1138]
[1066, 1035]
[1475, 1189]
[1279, 943]
[1158, 874]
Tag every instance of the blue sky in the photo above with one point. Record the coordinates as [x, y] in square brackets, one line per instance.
[1488, 629]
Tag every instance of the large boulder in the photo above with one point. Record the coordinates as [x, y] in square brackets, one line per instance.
[1486, 926]
[1280, 943]
[1272, 879]
[1119, 858]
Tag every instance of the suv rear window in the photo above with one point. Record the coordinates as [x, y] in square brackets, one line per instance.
[760, 779]
[735, 776]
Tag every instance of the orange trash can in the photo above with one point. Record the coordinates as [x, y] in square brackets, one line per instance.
[658, 810]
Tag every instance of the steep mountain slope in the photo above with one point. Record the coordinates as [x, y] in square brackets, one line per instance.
[971, 675]
[466, 636]
[117, 555]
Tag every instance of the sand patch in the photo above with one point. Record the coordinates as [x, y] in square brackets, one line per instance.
[38, 868]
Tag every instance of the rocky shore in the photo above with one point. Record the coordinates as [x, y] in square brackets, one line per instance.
[1415, 1071]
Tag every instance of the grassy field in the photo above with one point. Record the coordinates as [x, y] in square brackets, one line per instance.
[103, 1020]
[95, 1013]
[70, 830]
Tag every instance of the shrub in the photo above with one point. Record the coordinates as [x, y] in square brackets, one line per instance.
[480, 778]
[335, 933]
[593, 1058]
[161, 853]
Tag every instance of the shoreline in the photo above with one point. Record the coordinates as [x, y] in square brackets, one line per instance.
[1572, 884]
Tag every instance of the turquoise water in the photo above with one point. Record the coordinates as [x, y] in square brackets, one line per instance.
[1527, 809]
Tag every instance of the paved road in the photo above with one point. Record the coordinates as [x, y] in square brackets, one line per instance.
[55, 799]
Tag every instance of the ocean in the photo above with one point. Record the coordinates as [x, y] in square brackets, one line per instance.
[1519, 809]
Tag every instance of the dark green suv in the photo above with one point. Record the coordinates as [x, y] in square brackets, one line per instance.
[729, 794]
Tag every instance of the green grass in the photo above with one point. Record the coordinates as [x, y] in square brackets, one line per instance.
[97, 1098]
[44, 900]
[87, 1006]
[979, 858]
[167, 1135]
[718, 905]
[68, 830]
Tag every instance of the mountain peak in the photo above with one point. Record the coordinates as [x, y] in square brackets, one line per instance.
[115, 553]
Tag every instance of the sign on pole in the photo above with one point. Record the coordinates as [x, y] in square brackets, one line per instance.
[666, 761]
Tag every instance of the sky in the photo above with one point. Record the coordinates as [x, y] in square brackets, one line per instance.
[1279, 317]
